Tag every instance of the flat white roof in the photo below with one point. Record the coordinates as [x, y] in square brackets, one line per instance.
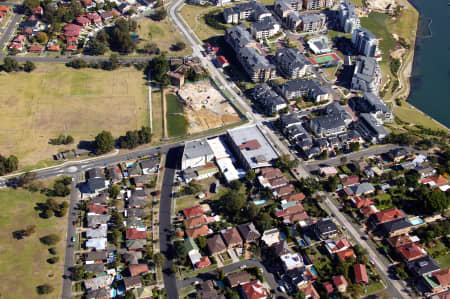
[98, 244]
[228, 170]
[292, 260]
[219, 149]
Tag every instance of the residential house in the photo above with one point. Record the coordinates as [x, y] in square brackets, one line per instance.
[193, 212]
[328, 171]
[249, 232]
[150, 166]
[96, 244]
[336, 246]
[292, 213]
[132, 283]
[328, 287]
[291, 261]
[399, 240]
[115, 174]
[198, 231]
[438, 281]
[207, 291]
[232, 238]
[360, 189]
[82, 21]
[340, 283]
[283, 191]
[98, 282]
[96, 220]
[346, 254]
[325, 228]
[387, 215]
[411, 251]
[138, 269]
[132, 257]
[253, 290]
[95, 257]
[237, 278]
[310, 292]
[360, 272]
[349, 181]
[270, 237]
[134, 234]
[360, 203]
[134, 245]
[298, 196]
[134, 170]
[97, 294]
[423, 266]
[141, 180]
[216, 245]
[138, 199]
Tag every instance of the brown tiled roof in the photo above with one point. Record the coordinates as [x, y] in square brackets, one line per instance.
[237, 278]
[198, 231]
[138, 269]
[443, 276]
[298, 208]
[134, 234]
[193, 211]
[285, 190]
[411, 251]
[350, 180]
[299, 196]
[216, 244]
[232, 237]
[389, 215]
[195, 221]
[339, 280]
[271, 173]
[345, 254]
[398, 241]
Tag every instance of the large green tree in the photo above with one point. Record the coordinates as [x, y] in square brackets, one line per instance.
[104, 142]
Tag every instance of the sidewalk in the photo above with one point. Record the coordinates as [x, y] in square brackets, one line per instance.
[155, 208]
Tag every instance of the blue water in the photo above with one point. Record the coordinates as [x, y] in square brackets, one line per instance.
[313, 271]
[430, 88]
[259, 202]
[301, 243]
[416, 221]
[283, 236]
[220, 284]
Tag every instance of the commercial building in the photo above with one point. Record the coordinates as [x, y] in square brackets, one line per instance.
[196, 153]
[367, 75]
[251, 147]
[365, 42]
[291, 63]
[348, 19]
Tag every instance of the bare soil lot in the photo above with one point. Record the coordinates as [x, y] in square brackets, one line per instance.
[205, 107]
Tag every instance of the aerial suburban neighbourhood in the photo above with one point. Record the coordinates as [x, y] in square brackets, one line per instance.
[218, 149]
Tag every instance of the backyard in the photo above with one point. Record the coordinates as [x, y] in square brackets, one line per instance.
[163, 34]
[22, 273]
[176, 120]
[54, 100]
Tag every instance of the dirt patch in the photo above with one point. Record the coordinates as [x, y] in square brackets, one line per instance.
[398, 53]
[206, 108]
[380, 5]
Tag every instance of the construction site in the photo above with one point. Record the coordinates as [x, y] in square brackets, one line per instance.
[205, 107]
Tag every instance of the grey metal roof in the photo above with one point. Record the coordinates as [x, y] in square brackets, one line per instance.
[254, 157]
[288, 119]
[372, 124]
[328, 121]
[423, 265]
[197, 148]
[253, 59]
[266, 23]
[375, 102]
[312, 17]
[239, 36]
[366, 68]
[365, 33]
[292, 57]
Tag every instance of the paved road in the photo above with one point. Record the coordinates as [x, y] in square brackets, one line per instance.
[70, 249]
[173, 160]
[7, 33]
[394, 287]
[268, 277]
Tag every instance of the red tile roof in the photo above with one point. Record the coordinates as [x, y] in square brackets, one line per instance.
[82, 20]
[254, 290]
[343, 243]
[290, 210]
[203, 263]
[411, 251]
[328, 287]
[350, 180]
[138, 269]
[299, 196]
[389, 215]
[195, 221]
[443, 276]
[198, 231]
[360, 273]
[285, 190]
[4, 8]
[270, 173]
[100, 210]
[362, 202]
[134, 234]
[345, 254]
[436, 180]
[310, 292]
[35, 49]
[339, 280]
[193, 211]
[222, 60]
[398, 241]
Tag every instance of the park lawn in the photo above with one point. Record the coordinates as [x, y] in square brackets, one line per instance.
[23, 264]
[193, 15]
[173, 105]
[157, 116]
[374, 287]
[408, 113]
[164, 34]
[54, 100]
[359, 3]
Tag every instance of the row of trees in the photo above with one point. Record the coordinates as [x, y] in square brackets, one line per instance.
[11, 65]
[118, 39]
[61, 139]
[108, 65]
[9, 164]
[104, 141]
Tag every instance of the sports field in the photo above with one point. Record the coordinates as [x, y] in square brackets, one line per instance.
[54, 99]
[325, 59]
[23, 263]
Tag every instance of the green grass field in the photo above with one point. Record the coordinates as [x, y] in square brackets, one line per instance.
[193, 15]
[23, 264]
[176, 120]
[54, 99]
[164, 34]
[411, 115]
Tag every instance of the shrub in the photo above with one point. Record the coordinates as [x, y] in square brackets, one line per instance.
[51, 239]
[44, 289]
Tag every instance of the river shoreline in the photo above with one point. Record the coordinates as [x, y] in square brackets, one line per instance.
[408, 68]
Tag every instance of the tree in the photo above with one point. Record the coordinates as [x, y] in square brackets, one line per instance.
[332, 183]
[42, 37]
[114, 191]
[120, 37]
[159, 259]
[53, 260]
[59, 189]
[151, 48]
[10, 64]
[284, 162]
[401, 271]
[355, 146]
[160, 14]
[436, 201]
[263, 221]
[27, 178]
[201, 240]
[96, 47]
[44, 289]
[343, 160]
[31, 229]
[300, 295]
[355, 290]
[104, 142]
[51, 239]
[250, 176]
[179, 46]
[30, 4]
[158, 67]
[220, 274]
[29, 66]
[11, 164]
[180, 251]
